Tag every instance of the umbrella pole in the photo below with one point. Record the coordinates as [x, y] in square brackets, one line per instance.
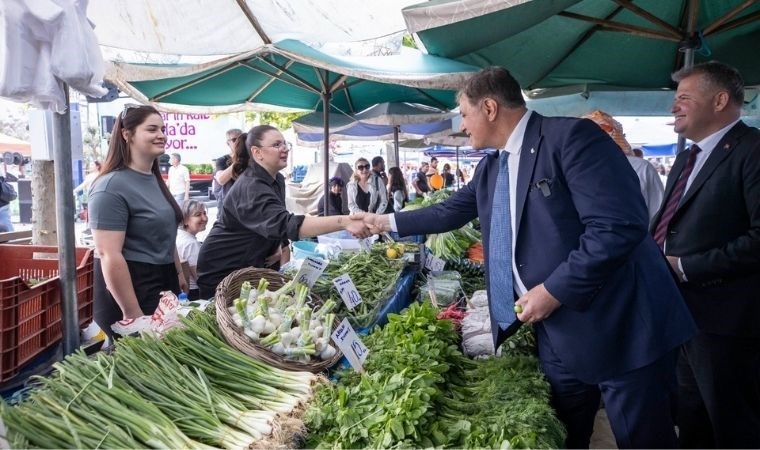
[395, 145]
[326, 162]
[458, 168]
[688, 56]
[64, 212]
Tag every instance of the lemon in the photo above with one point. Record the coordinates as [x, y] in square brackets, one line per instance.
[391, 253]
[400, 249]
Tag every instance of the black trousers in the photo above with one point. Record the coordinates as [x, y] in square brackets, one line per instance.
[640, 404]
[148, 281]
[719, 392]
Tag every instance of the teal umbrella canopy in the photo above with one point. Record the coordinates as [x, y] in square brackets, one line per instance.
[613, 43]
[291, 74]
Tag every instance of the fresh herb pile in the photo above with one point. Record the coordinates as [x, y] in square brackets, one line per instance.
[419, 390]
[189, 391]
[375, 277]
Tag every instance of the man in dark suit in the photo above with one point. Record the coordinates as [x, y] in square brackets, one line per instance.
[607, 313]
[709, 226]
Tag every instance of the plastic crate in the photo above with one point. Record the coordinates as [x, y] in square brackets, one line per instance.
[30, 314]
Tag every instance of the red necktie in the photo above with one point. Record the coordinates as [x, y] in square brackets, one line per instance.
[675, 197]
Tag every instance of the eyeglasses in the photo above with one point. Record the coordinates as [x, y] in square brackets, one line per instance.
[127, 107]
[362, 167]
[280, 146]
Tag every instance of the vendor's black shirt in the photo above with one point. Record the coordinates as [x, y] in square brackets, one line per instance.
[250, 226]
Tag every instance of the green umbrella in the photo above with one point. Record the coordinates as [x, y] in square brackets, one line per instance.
[552, 45]
[291, 74]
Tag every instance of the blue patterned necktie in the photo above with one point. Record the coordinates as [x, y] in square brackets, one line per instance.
[502, 298]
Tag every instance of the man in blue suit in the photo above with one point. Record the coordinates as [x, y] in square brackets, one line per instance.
[607, 313]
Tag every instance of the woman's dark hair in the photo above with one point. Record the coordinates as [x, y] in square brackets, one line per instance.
[243, 143]
[397, 182]
[120, 156]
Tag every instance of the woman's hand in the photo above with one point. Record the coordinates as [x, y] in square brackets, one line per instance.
[183, 286]
[355, 225]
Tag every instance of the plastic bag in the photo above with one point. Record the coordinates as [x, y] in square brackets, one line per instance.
[163, 319]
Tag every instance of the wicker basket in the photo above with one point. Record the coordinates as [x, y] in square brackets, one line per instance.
[229, 289]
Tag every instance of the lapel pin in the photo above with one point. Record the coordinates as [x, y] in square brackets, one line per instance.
[726, 147]
[532, 151]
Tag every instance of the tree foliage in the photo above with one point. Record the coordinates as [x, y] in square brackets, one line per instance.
[283, 121]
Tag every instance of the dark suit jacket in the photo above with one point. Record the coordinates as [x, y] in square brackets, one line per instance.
[716, 232]
[586, 241]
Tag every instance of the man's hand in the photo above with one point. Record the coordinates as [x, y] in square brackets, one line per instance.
[356, 226]
[377, 223]
[537, 304]
[673, 261]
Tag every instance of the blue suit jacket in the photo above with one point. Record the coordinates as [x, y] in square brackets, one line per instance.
[587, 241]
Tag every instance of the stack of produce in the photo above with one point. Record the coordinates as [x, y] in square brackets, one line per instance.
[418, 390]
[283, 323]
[375, 277]
[451, 244]
[473, 275]
[190, 391]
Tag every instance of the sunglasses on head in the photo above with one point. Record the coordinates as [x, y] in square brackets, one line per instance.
[127, 107]
[362, 167]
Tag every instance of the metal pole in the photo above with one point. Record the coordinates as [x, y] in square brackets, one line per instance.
[395, 144]
[326, 162]
[458, 168]
[688, 56]
[65, 223]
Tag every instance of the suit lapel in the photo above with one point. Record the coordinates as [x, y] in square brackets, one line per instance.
[528, 152]
[719, 153]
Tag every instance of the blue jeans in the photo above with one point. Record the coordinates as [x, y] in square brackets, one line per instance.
[5, 218]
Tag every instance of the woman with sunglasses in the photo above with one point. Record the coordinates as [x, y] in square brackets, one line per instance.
[366, 191]
[134, 219]
[253, 227]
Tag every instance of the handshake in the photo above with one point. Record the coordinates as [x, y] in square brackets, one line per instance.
[363, 225]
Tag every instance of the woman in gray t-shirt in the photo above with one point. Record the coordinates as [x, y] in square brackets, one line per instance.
[134, 221]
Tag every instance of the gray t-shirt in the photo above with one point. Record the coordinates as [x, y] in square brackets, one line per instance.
[130, 201]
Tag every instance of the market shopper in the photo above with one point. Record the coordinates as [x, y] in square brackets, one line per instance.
[649, 181]
[194, 220]
[420, 182]
[709, 226]
[366, 192]
[567, 250]
[224, 173]
[134, 219]
[335, 202]
[448, 177]
[254, 227]
[397, 189]
[178, 179]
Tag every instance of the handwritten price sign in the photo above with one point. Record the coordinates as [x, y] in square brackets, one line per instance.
[349, 343]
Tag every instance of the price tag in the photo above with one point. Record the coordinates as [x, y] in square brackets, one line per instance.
[349, 343]
[365, 244]
[310, 271]
[347, 290]
[432, 262]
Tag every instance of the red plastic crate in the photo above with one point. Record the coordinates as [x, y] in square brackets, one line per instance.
[30, 314]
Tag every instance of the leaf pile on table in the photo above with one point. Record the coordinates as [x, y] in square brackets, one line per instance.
[418, 391]
[375, 277]
[189, 390]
